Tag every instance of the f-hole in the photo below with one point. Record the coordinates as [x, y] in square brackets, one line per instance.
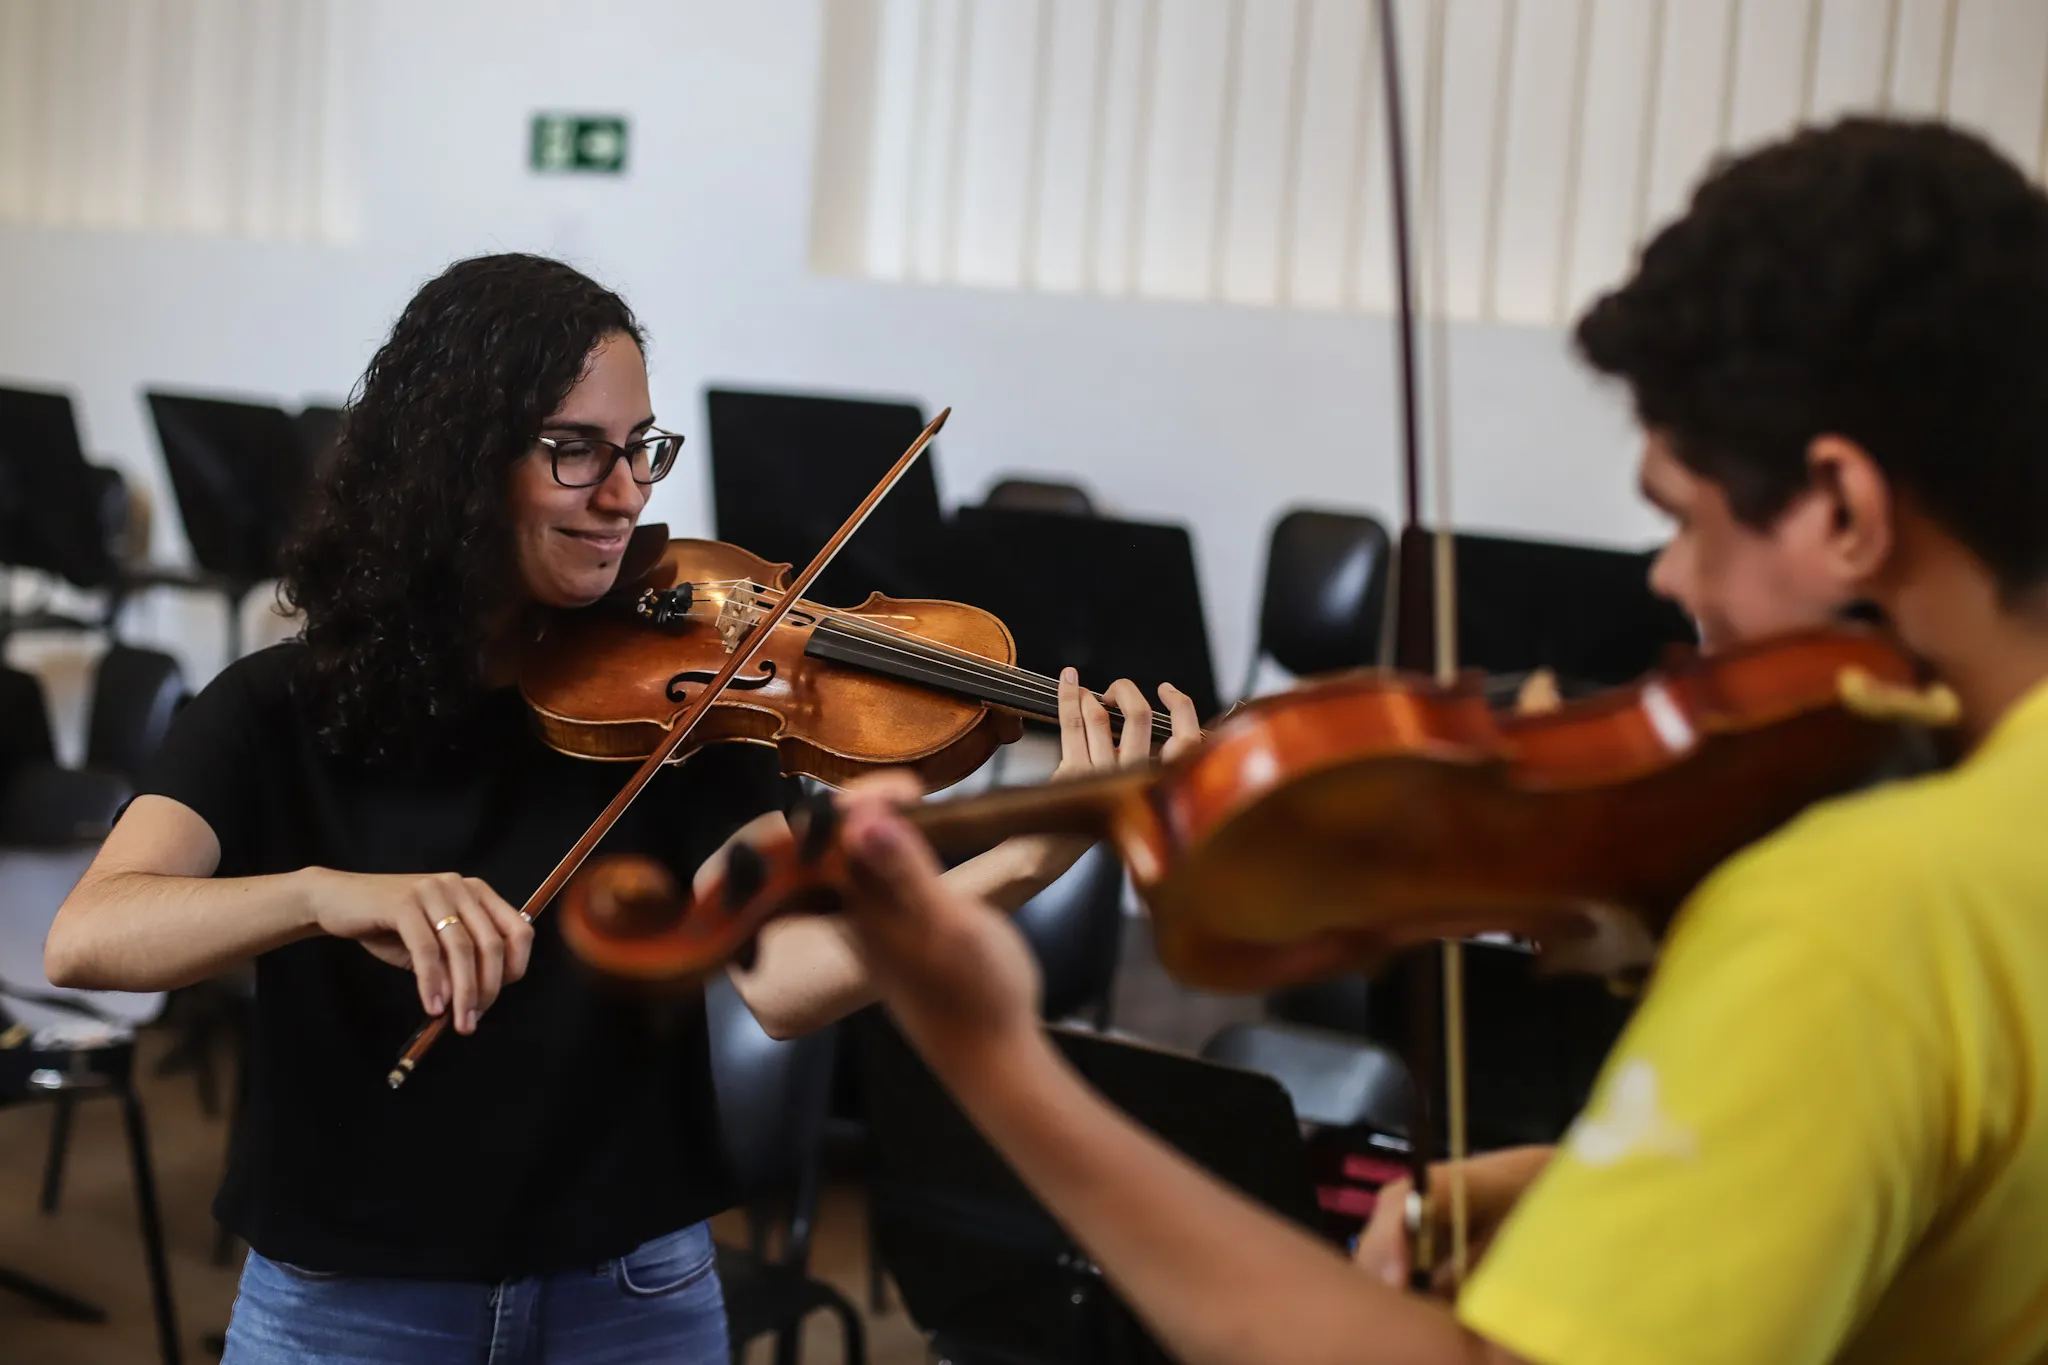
[738, 684]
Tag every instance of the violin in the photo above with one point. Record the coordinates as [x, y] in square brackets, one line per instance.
[701, 642]
[931, 686]
[1330, 827]
[1325, 828]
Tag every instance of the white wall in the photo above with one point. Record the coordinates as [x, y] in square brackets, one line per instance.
[1211, 415]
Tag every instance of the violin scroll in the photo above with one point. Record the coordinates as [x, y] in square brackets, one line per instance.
[626, 916]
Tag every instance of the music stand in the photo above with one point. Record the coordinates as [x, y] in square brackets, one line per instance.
[62, 514]
[982, 1266]
[1584, 611]
[1114, 599]
[240, 473]
[1534, 1040]
[788, 469]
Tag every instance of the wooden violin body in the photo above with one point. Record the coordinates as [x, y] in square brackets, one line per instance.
[611, 682]
[1322, 829]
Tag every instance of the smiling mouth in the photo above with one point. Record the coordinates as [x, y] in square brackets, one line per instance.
[606, 541]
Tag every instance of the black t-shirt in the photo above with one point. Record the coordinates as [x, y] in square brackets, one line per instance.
[575, 1123]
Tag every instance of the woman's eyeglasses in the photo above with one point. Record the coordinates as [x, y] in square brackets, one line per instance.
[585, 461]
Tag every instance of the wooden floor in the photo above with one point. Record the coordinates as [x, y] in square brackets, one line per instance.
[91, 1248]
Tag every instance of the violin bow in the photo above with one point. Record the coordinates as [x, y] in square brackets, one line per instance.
[742, 654]
[1424, 640]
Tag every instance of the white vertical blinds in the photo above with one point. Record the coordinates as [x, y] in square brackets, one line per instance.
[225, 117]
[1233, 150]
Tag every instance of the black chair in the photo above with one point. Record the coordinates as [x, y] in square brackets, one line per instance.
[1332, 1080]
[1075, 929]
[66, 1075]
[1041, 495]
[772, 1098]
[136, 693]
[240, 472]
[320, 427]
[1324, 604]
[51, 818]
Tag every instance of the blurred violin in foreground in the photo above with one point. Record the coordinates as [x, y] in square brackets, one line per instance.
[1322, 829]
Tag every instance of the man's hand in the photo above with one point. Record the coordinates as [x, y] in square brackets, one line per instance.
[1493, 1184]
[951, 967]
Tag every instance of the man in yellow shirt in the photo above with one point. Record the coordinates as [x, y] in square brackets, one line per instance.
[1824, 1136]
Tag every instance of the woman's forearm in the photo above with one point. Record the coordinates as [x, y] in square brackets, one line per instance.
[143, 931]
[808, 973]
[1017, 869]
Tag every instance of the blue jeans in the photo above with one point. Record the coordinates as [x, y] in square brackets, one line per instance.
[659, 1302]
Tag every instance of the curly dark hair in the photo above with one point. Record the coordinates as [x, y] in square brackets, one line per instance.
[403, 563]
[1881, 280]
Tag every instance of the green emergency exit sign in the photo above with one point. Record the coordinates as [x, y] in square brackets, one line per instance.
[579, 142]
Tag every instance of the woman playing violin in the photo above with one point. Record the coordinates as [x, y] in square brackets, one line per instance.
[1821, 1136]
[361, 809]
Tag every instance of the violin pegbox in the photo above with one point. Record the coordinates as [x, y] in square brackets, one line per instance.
[626, 915]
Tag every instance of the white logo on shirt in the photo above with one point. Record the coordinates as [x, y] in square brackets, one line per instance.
[1630, 1123]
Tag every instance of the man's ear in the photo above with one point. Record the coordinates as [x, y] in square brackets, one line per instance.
[1858, 505]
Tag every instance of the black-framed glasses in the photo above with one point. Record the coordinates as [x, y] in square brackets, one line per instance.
[585, 461]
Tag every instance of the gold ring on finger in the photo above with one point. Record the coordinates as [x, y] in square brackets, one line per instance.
[445, 921]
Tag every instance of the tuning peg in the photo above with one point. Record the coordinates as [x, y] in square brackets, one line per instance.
[746, 872]
[817, 822]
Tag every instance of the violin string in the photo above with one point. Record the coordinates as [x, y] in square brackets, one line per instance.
[974, 666]
[962, 661]
[987, 669]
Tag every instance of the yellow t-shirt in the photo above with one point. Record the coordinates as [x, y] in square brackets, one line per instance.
[1824, 1136]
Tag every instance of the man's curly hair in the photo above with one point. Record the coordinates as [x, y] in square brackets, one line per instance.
[1884, 281]
[404, 563]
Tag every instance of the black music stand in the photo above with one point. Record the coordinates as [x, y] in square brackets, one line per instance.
[982, 1266]
[1584, 611]
[1534, 1041]
[63, 515]
[788, 469]
[1114, 599]
[240, 472]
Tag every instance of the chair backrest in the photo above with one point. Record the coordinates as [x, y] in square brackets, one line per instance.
[1041, 495]
[1334, 1079]
[1075, 927]
[58, 512]
[320, 426]
[25, 736]
[773, 1098]
[136, 694]
[1326, 591]
[240, 472]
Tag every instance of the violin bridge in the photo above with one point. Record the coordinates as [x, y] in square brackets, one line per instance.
[734, 619]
